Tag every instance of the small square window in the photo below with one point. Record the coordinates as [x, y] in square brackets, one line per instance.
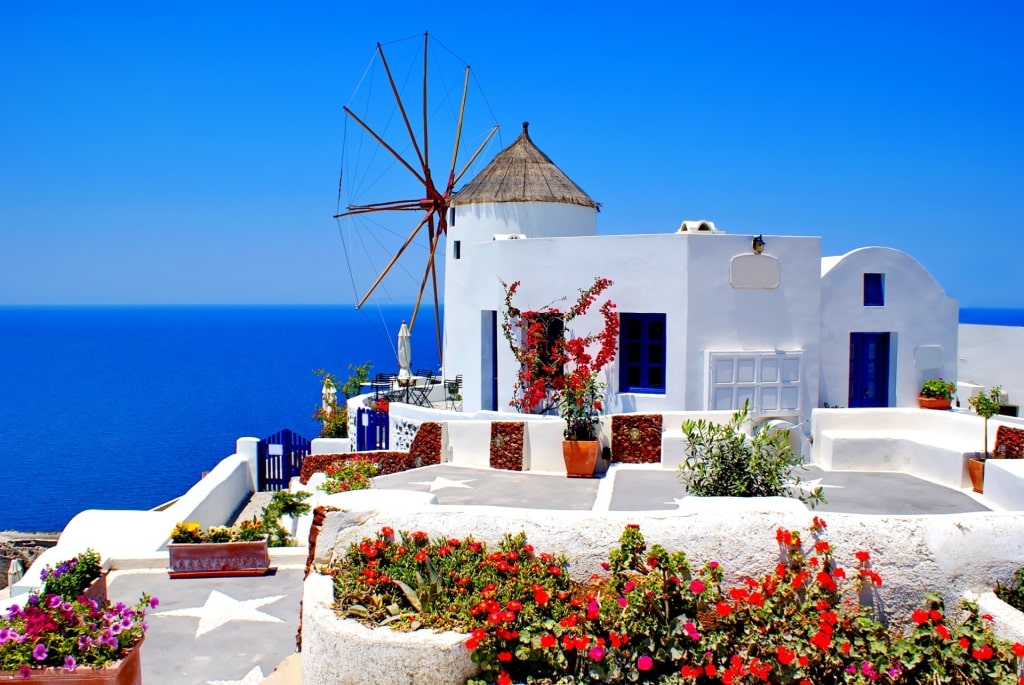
[874, 290]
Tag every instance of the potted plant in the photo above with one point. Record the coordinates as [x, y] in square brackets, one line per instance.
[219, 552]
[76, 641]
[82, 575]
[986, 406]
[556, 371]
[936, 393]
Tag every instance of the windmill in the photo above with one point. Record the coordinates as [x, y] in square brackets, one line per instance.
[401, 141]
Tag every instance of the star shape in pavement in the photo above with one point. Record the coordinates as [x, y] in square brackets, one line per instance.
[220, 608]
[253, 677]
[440, 483]
[809, 485]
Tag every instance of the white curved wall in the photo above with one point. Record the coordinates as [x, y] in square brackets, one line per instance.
[916, 313]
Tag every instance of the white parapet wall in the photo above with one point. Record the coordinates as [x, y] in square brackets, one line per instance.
[344, 652]
[141, 534]
[951, 554]
[930, 444]
[1004, 484]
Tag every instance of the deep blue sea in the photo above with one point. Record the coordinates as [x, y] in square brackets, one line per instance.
[125, 407]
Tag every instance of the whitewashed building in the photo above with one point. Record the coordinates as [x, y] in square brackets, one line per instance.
[709, 319]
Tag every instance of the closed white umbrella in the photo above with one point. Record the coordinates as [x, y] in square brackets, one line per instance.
[404, 355]
[329, 396]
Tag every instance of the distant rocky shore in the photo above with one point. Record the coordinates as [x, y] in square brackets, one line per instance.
[24, 547]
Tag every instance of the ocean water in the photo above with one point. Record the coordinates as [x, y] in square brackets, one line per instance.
[125, 407]
[992, 316]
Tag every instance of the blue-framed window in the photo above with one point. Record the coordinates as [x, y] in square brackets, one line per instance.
[642, 353]
[874, 290]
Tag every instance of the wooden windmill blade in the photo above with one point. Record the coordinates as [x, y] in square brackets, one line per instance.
[395, 139]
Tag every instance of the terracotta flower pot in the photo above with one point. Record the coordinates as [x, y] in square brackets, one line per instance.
[127, 671]
[97, 589]
[933, 402]
[580, 457]
[976, 470]
[218, 559]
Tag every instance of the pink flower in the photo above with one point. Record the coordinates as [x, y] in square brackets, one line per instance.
[596, 653]
[645, 663]
[697, 587]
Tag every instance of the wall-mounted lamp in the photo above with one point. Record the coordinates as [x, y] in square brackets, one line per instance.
[757, 244]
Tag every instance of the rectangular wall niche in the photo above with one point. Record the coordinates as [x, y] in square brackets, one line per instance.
[770, 381]
[754, 271]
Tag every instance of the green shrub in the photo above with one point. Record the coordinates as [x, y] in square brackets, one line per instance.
[351, 474]
[721, 461]
[70, 578]
[1014, 594]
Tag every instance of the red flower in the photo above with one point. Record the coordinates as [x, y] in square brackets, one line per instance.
[919, 616]
[723, 608]
[942, 631]
[863, 556]
[548, 640]
[785, 655]
[1018, 649]
[983, 654]
[504, 679]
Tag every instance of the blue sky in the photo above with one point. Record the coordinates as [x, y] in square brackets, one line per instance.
[189, 152]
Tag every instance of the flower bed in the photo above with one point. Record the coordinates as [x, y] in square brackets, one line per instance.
[653, 616]
[424, 451]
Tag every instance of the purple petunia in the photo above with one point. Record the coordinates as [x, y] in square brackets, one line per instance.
[39, 653]
[69, 663]
[154, 602]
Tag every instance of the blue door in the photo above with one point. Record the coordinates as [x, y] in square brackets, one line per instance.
[869, 370]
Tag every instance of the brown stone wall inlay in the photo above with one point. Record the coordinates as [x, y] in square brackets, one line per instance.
[636, 439]
[507, 445]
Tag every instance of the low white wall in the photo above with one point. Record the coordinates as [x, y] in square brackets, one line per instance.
[214, 500]
[952, 554]
[542, 445]
[344, 652]
[956, 428]
[330, 445]
[1004, 484]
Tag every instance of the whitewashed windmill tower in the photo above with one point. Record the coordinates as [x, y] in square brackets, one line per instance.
[516, 206]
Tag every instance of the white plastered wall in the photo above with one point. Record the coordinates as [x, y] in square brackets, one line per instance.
[686, 276]
[916, 313]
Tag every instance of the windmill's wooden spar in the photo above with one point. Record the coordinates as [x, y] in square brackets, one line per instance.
[435, 202]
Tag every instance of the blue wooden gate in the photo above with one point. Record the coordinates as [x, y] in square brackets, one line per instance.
[279, 459]
[371, 429]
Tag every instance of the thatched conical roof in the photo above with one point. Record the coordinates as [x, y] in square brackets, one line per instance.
[522, 173]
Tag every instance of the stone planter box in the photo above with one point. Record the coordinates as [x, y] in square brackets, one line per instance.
[218, 559]
[1007, 622]
[127, 671]
[384, 656]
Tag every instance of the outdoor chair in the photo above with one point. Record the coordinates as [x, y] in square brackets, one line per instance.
[420, 391]
[453, 393]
